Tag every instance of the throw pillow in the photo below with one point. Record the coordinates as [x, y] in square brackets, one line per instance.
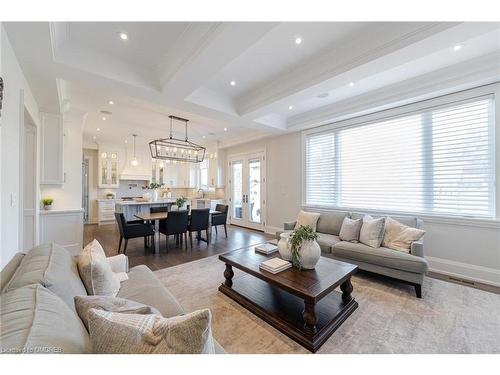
[95, 271]
[84, 304]
[399, 236]
[372, 231]
[116, 333]
[307, 218]
[350, 230]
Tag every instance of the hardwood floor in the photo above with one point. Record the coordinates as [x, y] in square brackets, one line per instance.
[237, 238]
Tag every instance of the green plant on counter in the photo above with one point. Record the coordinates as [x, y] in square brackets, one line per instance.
[153, 186]
[303, 233]
[180, 201]
[47, 201]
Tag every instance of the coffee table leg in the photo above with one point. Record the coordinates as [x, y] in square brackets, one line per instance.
[310, 319]
[228, 275]
[346, 288]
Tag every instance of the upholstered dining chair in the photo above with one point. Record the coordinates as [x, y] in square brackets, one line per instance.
[175, 224]
[220, 219]
[199, 221]
[132, 230]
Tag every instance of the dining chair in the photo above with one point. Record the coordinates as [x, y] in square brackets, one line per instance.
[175, 224]
[199, 221]
[220, 219]
[132, 230]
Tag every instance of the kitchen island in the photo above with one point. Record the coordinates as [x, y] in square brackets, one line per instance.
[132, 208]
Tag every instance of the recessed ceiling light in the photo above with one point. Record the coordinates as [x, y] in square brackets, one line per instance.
[457, 47]
[103, 118]
[94, 137]
[351, 84]
[204, 137]
[126, 141]
[232, 83]
[298, 40]
[225, 129]
[98, 129]
[123, 36]
[111, 102]
[290, 107]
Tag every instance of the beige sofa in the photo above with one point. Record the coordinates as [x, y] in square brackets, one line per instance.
[38, 318]
[410, 268]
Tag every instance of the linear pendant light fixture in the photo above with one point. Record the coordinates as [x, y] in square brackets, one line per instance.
[134, 160]
[176, 149]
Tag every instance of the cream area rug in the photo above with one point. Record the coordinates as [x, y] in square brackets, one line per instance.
[449, 319]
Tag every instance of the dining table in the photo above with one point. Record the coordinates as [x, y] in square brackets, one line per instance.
[157, 216]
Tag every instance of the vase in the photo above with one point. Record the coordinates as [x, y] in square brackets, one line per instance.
[284, 246]
[147, 196]
[174, 207]
[155, 195]
[47, 207]
[309, 254]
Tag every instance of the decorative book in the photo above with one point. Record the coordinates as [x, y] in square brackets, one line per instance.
[275, 265]
[273, 242]
[266, 248]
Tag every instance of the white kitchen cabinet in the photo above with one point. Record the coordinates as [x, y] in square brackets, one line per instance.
[51, 167]
[106, 211]
[216, 168]
[108, 169]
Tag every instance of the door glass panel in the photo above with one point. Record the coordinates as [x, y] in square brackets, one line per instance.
[237, 189]
[254, 191]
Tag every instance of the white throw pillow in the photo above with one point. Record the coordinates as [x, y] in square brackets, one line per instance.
[350, 229]
[399, 236]
[307, 218]
[372, 231]
[117, 333]
[96, 272]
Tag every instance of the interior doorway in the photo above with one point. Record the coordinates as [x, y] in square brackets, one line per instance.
[247, 200]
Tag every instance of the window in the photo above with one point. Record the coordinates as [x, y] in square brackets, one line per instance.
[435, 161]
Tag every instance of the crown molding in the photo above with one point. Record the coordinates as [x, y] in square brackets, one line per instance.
[471, 73]
[347, 55]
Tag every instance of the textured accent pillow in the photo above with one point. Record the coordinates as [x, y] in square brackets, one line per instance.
[399, 236]
[307, 218]
[116, 333]
[372, 231]
[350, 229]
[84, 304]
[95, 271]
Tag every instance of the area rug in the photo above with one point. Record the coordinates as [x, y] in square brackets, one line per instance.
[449, 319]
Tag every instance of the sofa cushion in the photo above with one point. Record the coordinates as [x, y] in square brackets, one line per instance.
[96, 272]
[326, 241]
[372, 231]
[53, 267]
[10, 269]
[350, 229]
[399, 237]
[331, 222]
[84, 304]
[406, 220]
[380, 256]
[35, 320]
[144, 287]
[307, 218]
[117, 333]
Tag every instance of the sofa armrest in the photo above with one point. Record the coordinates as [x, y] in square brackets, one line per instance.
[417, 248]
[118, 263]
[289, 225]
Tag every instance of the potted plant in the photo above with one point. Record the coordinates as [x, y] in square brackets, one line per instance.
[304, 249]
[179, 203]
[47, 203]
[154, 187]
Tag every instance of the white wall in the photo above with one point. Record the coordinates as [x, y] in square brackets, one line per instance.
[467, 249]
[17, 95]
[69, 195]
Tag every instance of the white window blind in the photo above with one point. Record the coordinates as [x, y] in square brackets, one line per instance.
[436, 161]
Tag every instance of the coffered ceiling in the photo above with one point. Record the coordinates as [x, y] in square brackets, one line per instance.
[243, 80]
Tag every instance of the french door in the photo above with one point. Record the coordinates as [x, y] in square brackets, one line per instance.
[247, 190]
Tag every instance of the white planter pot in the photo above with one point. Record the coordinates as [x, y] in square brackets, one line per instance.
[174, 207]
[284, 246]
[309, 254]
[47, 207]
[155, 195]
[147, 196]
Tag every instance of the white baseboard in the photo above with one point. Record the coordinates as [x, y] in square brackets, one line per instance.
[470, 272]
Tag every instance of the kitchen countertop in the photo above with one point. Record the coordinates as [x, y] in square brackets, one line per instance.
[133, 203]
[61, 211]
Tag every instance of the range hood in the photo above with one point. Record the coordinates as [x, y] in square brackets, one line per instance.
[134, 176]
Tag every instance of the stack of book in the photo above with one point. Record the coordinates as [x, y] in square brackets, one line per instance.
[266, 248]
[275, 265]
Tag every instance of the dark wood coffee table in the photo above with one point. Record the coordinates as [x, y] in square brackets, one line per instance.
[301, 304]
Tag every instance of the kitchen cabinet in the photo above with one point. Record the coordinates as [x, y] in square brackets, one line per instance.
[216, 169]
[108, 169]
[51, 160]
[105, 211]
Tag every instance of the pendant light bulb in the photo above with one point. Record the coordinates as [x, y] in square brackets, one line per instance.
[134, 160]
